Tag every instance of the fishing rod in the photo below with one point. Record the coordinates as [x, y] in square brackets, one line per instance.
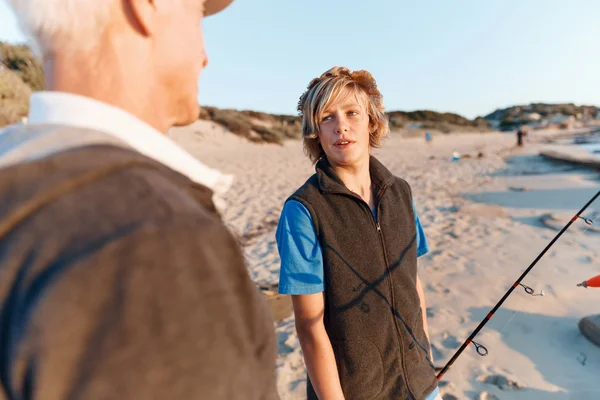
[482, 350]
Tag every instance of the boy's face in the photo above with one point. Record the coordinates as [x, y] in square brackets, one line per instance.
[344, 130]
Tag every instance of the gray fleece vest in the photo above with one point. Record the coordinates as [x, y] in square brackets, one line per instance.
[372, 310]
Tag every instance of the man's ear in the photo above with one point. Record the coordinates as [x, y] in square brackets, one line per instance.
[141, 14]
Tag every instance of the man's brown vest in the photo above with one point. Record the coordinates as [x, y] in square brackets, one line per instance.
[118, 279]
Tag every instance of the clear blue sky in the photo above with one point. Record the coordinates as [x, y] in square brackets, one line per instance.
[463, 56]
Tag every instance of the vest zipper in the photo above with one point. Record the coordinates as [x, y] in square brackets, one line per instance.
[391, 288]
[387, 266]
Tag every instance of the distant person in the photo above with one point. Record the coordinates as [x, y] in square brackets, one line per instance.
[119, 279]
[520, 135]
[428, 137]
[349, 240]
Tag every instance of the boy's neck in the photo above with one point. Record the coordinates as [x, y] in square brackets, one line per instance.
[357, 178]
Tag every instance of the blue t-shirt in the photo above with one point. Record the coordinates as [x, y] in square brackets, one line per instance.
[302, 269]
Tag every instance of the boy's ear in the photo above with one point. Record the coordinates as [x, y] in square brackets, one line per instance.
[372, 125]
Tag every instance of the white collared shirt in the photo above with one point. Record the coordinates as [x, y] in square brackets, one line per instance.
[84, 112]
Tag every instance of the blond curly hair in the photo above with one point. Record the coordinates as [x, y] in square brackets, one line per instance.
[324, 90]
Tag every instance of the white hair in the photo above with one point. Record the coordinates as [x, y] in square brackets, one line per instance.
[64, 24]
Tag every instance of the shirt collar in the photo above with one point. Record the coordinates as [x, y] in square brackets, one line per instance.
[84, 112]
[329, 180]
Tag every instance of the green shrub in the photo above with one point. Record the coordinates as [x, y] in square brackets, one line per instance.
[267, 134]
[14, 97]
[20, 59]
[234, 121]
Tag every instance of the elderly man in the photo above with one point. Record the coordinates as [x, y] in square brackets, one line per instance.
[118, 279]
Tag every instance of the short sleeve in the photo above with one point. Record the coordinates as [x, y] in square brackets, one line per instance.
[301, 270]
[422, 244]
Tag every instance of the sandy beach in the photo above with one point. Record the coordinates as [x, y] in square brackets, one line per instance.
[486, 219]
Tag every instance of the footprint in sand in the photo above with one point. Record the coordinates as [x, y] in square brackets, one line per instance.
[501, 381]
[431, 312]
[437, 354]
[437, 288]
[443, 384]
[450, 342]
[435, 253]
[453, 234]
